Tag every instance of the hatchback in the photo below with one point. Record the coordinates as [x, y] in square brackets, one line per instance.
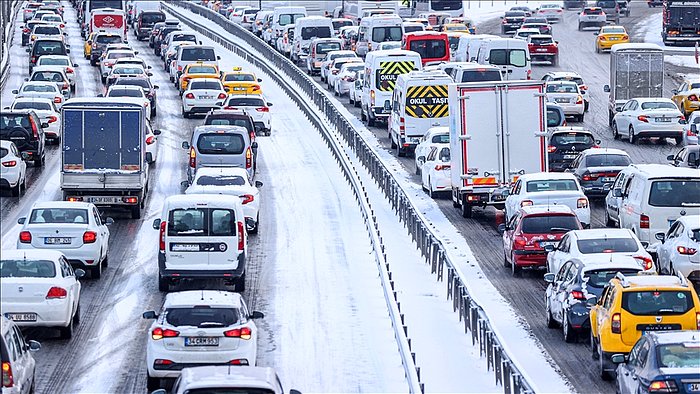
[565, 143]
[596, 169]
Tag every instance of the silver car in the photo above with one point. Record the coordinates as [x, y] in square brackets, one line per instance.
[220, 146]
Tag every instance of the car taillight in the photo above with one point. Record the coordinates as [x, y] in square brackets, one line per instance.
[255, 87]
[579, 99]
[248, 158]
[246, 198]
[10, 163]
[35, 128]
[525, 203]
[179, 68]
[150, 140]
[159, 333]
[57, 99]
[243, 333]
[193, 158]
[551, 148]
[519, 242]
[162, 361]
[241, 237]
[590, 177]
[647, 262]
[529, 74]
[697, 320]
[25, 31]
[616, 324]
[440, 167]
[161, 236]
[7, 379]
[52, 119]
[693, 97]
[643, 221]
[402, 126]
[643, 118]
[189, 96]
[56, 292]
[25, 237]
[335, 72]
[33, 59]
[74, 199]
[221, 96]
[690, 133]
[663, 386]
[89, 237]
[262, 109]
[578, 295]
[582, 202]
[602, 38]
[686, 250]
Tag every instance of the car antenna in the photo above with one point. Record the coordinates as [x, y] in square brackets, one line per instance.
[202, 295]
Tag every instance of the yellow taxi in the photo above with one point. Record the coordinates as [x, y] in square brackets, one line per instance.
[687, 96]
[455, 27]
[630, 306]
[87, 47]
[609, 36]
[241, 82]
[198, 70]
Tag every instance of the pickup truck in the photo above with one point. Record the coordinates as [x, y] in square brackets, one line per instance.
[591, 16]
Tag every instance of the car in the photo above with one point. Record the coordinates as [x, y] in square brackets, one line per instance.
[630, 307]
[348, 35]
[596, 169]
[565, 143]
[649, 117]
[687, 95]
[144, 22]
[235, 14]
[220, 145]
[660, 361]
[591, 16]
[574, 4]
[135, 92]
[597, 244]
[161, 37]
[18, 365]
[98, 44]
[231, 181]
[45, 30]
[544, 27]
[46, 110]
[40, 89]
[570, 76]
[25, 130]
[46, 46]
[355, 93]
[330, 57]
[545, 188]
[571, 285]
[27, 29]
[678, 248]
[52, 298]
[455, 27]
[256, 107]
[345, 80]
[568, 96]
[334, 69]
[110, 57]
[241, 82]
[197, 70]
[74, 228]
[13, 169]
[532, 228]
[52, 18]
[542, 47]
[54, 74]
[523, 34]
[511, 21]
[224, 379]
[29, 10]
[611, 10]
[435, 136]
[169, 58]
[609, 36]
[148, 88]
[552, 11]
[202, 95]
[69, 68]
[131, 61]
[125, 70]
[688, 156]
[527, 10]
[436, 171]
[233, 117]
[197, 328]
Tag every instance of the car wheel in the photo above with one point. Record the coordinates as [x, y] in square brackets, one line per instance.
[568, 331]
[152, 383]
[39, 162]
[16, 191]
[580, 117]
[370, 120]
[506, 263]
[163, 283]
[671, 271]
[597, 49]
[136, 212]
[66, 332]
[514, 269]
[679, 140]
[551, 323]
[105, 261]
[605, 375]
[417, 168]
[608, 221]
[357, 103]
[24, 183]
[616, 132]
[432, 193]
[400, 152]
[362, 115]
[632, 137]
[96, 271]
[76, 316]
[335, 91]
[579, 27]
[185, 115]
[239, 284]
[466, 210]
[594, 347]
[254, 230]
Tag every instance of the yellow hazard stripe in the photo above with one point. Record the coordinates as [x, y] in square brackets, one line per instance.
[483, 181]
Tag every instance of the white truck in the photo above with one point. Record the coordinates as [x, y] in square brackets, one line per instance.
[498, 131]
[103, 152]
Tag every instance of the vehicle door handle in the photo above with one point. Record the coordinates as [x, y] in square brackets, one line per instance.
[634, 378]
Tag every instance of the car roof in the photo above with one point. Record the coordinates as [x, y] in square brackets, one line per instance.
[670, 337]
[255, 96]
[32, 100]
[201, 200]
[30, 254]
[653, 281]
[666, 171]
[209, 128]
[604, 151]
[221, 171]
[597, 233]
[542, 36]
[48, 67]
[204, 79]
[61, 204]
[691, 220]
[564, 74]
[540, 209]
[217, 376]
[611, 260]
[560, 82]
[202, 297]
[544, 176]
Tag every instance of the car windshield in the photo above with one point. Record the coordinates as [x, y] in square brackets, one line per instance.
[562, 88]
[679, 355]
[607, 245]
[48, 61]
[59, 215]
[545, 224]
[133, 82]
[441, 139]
[675, 193]
[600, 278]
[657, 302]
[572, 138]
[389, 33]
[429, 49]
[607, 4]
[183, 37]
[695, 234]
[239, 78]
[151, 18]
[47, 30]
[353, 69]
[198, 54]
[613, 30]
[659, 105]
[481, 75]
[205, 85]
[515, 14]
[326, 47]
[202, 316]
[201, 70]
[412, 28]
[117, 55]
[220, 180]
[286, 19]
[551, 185]
[508, 57]
[338, 24]
[222, 144]
[125, 93]
[608, 161]
[315, 31]
[27, 268]
[245, 102]
[108, 39]
[223, 120]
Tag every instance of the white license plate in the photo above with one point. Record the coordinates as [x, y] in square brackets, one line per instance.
[608, 179]
[239, 88]
[663, 120]
[592, 18]
[541, 50]
[562, 100]
[101, 200]
[693, 387]
[201, 341]
[21, 316]
[57, 240]
[548, 243]
[185, 248]
[566, 157]
[206, 97]
[614, 38]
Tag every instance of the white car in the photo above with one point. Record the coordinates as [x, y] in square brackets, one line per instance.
[47, 90]
[110, 57]
[284, 42]
[334, 70]
[60, 60]
[199, 327]
[256, 106]
[202, 95]
[232, 181]
[332, 55]
[553, 12]
[679, 250]
[221, 378]
[52, 18]
[346, 78]
[71, 227]
[355, 93]
[125, 70]
[548, 188]
[131, 91]
[151, 144]
[40, 289]
[436, 173]
[573, 77]
[13, 169]
[690, 136]
[595, 244]
[46, 110]
[132, 60]
[53, 74]
[567, 95]
[648, 117]
[523, 34]
[389, 45]
[236, 15]
[18, 364]
[435, 136]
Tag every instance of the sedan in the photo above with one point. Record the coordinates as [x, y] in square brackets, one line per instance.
[355, 93]
[568, 96]
[46, 110]
[553, 12]
[436, 171]
[202, 95]
[125, 70]
[145, 83]
[54, 74]
[47, 90]
[649, 117]
[135, 92]
[13, 169]
[679, 248]
[596, 169]
[40, 289]
[60, 60]
[231, 181]
[256, 107]
[74, 228]
[597, 244]
[435, 136]
[110, 58]
[690, 129]
[346, 78]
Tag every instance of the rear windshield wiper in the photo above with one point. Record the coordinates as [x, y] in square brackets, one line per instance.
[559, 230]
[211, 324]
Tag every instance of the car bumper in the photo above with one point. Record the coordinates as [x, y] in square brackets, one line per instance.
[559, 165]
[596, 188]
[608, 43]
[380, 112]
[87, 255]
[572, 109]
[50, 313]
[529, 258]
[669, 131]
[9, 179]
[344, 87]
[234, 272]
[578, 316]
[193, 360]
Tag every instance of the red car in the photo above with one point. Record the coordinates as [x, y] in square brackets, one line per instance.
[543, 48]
[530, 230]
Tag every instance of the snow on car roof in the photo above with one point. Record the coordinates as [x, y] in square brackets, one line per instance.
[597, 233]
[202, 297]
[553, 208]
[30, 254]
[206, 376]
[677, 336]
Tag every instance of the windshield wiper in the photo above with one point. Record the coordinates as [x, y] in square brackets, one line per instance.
[211, 324]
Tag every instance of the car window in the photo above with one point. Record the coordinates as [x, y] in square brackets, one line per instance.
[27, 269]
[125, 93]
[198, 54]
[572, 138]
[633, 359]
[609, 300]
[225, 144]
[128, 70]
[3, 152]
[315, 31]
[481, 75]
[201, 70]
[664, 302]
[659, 105]
[220, 180]
[245, 102]
[49, 76]
[108, 39]
[678, 355]
[599, 278]
[675, 193]
[428, 48]
[19, 341]
[142, 82]
[58, 215]
[187, 222]
[550, 185]
[389, 33]
[562, 271]
[205, 85]
[222, 222]
[548, 223]
[37, 105]
[239, 78]
[508, 57]
[607, 245]
[643, 352]
[202, 316]
[325, 47]
[441, 139]
[608, 161]
[565, 244]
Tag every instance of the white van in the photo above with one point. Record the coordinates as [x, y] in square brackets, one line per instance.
[382, 69]
[377, 29]
[201, 236]
[468, 46]
[284, 16]
[305, 30]
[419, 102]
[655, 195]
[510, 54]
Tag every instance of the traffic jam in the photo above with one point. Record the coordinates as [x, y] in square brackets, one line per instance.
[588, 199]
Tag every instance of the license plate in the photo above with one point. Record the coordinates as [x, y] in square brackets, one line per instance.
[57, 240]
[206, 97]
[101, 200]
[693, 387]
[498, 197]
[566, 157]
[663, 120]
[592, 18]
[21, 316]
[201, 341]
[541, 50]
[184, 247]
[548, 243]
[614, 38]
[239, 88]
[608, 179]
[562, 100]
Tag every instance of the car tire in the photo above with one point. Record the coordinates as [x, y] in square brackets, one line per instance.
[17, 190]
[432, 193]
[24, 183]
[152, 384]
[362, 115]
[632, 137]
[616, 132]
[163, 284]
[579, 27]
[136, 212]
[467, 210]
[335, 91]
[239, 284]
[40, 161]
[594, 347]
[185, 114]
[605, 375]
[370, 121]
[66, 332]
[76, 315]
[551, 323]
[679, 140]
[506, 263]
[580, 117]
[567, 330]
[597, 49]
[357, 103]
[608, 221]
[400, 152]
[514, 269]
[671, 271]
[105, 261]
[254, 230]
[96, 271]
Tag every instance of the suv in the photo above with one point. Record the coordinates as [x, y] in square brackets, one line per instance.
[18, 365]
[25, 129]
[220, 146]
[512, 21]
[226, 379]
[631, 306]
[145, 22]
[46, 46]
[99, 43]
[565, 143]
[591, 16]
[611, 10]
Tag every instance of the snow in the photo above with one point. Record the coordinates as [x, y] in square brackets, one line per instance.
[649, 30]
[683, 61]
[483, 10]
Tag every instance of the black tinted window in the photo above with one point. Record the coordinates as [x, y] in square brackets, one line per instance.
[187, 222]
[223, 180]
[326, 47]
[27, 269]
[600, 278]
[315, 31]
[392, 33]
[152, 18]
[549, 223]
[429, 49]
[38, 105]
[223, 120]
[48, 48]
[134, 82]
[46, 30]
[608, 161]
[223, 144]
[441, 139]
[675, 193]
[11, 121]
[201, 85]
[551, 185]
[245, 102]
[541, 41]
[202, 316]
[198, 54]
[607, 245]
[108, 39]
[668, 302]
[508, 57]
[572, 138]
[125, 93]
[481, 75]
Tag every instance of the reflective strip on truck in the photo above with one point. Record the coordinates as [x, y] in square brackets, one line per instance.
[389, 72]
[427, 101]
[484, 181]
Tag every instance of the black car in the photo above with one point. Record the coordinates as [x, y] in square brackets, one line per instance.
[688, 156]
[99, 43]
[145, 22]
[46, 46]
[148, 88]
[512, 21]
[161, 36]
[597, 168]
[565, 143]
[155, 30]
[27, 30]
[24, 128]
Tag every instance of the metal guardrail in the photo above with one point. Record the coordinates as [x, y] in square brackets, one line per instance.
[8, 13]
[283, 70]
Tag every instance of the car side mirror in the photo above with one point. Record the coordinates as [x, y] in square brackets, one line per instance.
[109, 221]
[218, 58]
[592, 301]
[598, 142]
[269, 104]
[254, 145]
[185, 145]
[44, 125]
[156, 224]
[259, 79]
[671, 157]
[156, 132]
[21, 220]
[595, 34]
[15, 91]
[149, 315]
[149, 74]
[502, 228]
[156, 87]
[618, 109]
[33, 345]
[258, 184]
[694, 128]
[617, 193]
[549, 277]
[220, 103]
[256, 315]
[79, 273]
[618, 358]
[606, 88]
[660, 236]
[26, 79]
[200, 42]
[549, 248]
[674, 91]
[184, 184]
[76, 66]
[67, 50]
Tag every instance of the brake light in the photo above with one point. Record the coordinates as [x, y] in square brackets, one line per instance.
[25, 30]
[130, 200]
[150, 140]
[371, 97]
[625, 37]
[578, 295]
[241, 237]
[579, 99]
[161, 236]
[179, 68]
[697, 320]
[52, 119]
[74, 199]
[246, 198]
[221, 96]
[582, 202]
[263, 109]
[529, 74]
[643, 221]
[583, 87]
[551, 148]
[10, 163]
[243, 333]
[590, 177]
[643, 118]
[89, 237]
[647, 262]
[686, 251]
[693, 97]
[193, 158]
[25, 237]
[689, 133]
[159, 333]
[440, 167]
[402, 125]
[57, 99]
[616, 324]
[189, 96]
[602, 38]
[35, 129]
[525, 203]
[519, 242]
[663, 386]
[248, 158]
[7, 380]
[56, 292]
